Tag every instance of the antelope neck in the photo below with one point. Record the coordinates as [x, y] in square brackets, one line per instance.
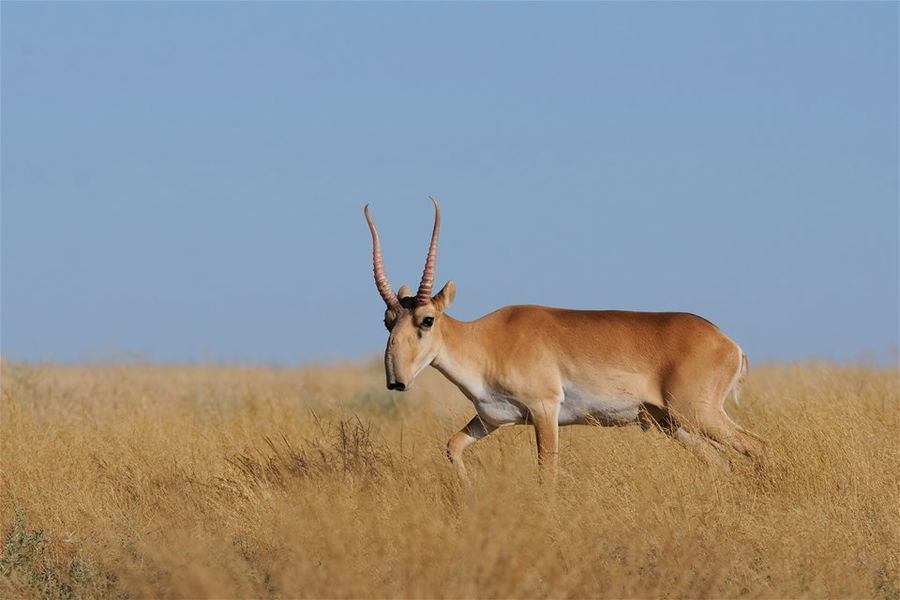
[458, 359]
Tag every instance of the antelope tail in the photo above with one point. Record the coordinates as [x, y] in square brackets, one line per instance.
[739, 379]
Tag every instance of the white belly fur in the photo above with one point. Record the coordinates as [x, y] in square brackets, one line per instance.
[580, 407]
[499, 409]
[577, 407]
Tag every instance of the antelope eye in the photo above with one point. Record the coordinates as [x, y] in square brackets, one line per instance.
[427, 321]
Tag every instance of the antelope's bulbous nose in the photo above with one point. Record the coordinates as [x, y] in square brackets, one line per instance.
[400, 387]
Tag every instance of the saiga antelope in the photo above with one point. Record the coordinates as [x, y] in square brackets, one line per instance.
[552, 367]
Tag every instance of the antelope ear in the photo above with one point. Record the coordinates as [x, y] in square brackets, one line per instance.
[407, 299]
[445, 297]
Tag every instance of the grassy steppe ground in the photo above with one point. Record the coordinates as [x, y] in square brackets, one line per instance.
[316, 482]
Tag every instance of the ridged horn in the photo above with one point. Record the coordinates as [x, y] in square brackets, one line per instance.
[424, 294]
[381, 280]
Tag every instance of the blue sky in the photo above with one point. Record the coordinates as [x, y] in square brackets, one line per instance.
[185, 181]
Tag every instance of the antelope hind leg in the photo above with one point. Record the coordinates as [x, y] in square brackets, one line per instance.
[546, 430]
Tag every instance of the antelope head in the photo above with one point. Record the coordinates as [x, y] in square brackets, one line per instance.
[414, 322]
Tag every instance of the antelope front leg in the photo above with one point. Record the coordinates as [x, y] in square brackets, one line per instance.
[546, 429]
[465, 437]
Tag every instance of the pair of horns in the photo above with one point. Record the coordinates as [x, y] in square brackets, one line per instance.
[423, 296]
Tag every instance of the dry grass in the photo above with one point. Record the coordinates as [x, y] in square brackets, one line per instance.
[252, 482]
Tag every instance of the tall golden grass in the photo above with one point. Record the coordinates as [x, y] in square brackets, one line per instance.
[226, 482]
